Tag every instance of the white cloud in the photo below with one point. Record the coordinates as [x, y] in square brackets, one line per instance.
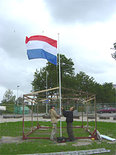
[85, 11]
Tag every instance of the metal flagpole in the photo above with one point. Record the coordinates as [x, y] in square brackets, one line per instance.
[60, 88]
[46, 89]
[46, 84]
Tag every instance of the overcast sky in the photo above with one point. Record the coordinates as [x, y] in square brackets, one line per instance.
[87, 32]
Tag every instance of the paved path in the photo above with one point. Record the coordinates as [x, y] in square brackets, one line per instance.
[2, 120]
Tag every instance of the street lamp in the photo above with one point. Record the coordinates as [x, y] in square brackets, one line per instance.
[114, 56]
[17, 93]
[46, 92]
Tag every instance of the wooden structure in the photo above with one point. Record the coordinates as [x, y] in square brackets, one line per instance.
[68, 96]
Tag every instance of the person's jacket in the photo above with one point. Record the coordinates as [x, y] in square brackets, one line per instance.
[53, 116]
[68, 115]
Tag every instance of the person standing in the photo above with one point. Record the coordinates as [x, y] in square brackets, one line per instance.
[69, 121]
[54, 117]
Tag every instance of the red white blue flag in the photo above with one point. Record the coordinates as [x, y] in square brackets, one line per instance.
[39, 46]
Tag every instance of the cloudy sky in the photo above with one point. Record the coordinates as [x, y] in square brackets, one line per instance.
[87, 32]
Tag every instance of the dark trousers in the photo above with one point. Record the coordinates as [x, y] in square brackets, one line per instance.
[70, 131]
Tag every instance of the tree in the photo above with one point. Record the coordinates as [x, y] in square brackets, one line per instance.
[85, 82]
[114, 54]
[81, 81]
[8, 101]
[114, 46]
[8, 97]
[19, 101]
[52, 71]
[108, 93]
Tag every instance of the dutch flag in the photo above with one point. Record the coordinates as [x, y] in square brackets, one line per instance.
[39, 46]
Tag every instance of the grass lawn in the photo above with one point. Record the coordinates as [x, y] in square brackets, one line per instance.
[14, 129]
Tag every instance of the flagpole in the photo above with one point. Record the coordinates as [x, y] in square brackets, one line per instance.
[60, 88]
[46, 89]
[46, 82]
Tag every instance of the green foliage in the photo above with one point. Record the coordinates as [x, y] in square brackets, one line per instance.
[8, 97]
[82, 82]
[85, 82]
[52, 71]
[8, 101]
[19, 101]
[9, 109]
[105, 93]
